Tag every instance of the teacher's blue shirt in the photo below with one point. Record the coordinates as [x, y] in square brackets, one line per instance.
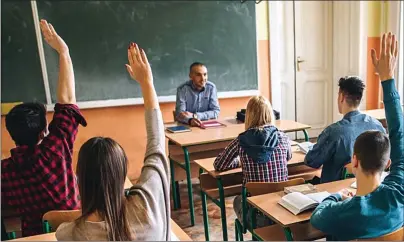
[203, 103]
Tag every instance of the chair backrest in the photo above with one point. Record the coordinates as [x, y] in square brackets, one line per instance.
[174, 116]
[397, 235]
[258, 188]
[57, 217]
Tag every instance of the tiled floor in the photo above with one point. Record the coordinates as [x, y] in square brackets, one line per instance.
[182, 217]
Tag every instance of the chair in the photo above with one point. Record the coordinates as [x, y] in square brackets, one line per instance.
[217, 189]
[255, 189]
[53, 219]
[397, 235]
[174, 116]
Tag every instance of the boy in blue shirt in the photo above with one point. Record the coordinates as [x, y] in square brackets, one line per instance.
[378, 207]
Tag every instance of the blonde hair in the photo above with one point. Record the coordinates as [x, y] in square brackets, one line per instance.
[259, 113]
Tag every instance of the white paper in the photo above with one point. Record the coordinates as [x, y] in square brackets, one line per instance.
[318, 196]
[305, 147]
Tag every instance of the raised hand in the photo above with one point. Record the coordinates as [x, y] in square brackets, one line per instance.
[386, 64]
[139, 68]
[52, 38]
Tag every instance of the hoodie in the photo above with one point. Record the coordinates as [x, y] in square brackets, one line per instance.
[264, 154]
[259, 143]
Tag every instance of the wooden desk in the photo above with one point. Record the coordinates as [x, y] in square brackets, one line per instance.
[378, 114]
[207, 166]
[200, 136]
[203, 143]
[181, 235]
[268, 204]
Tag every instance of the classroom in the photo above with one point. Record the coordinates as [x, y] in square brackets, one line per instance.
[202, 120]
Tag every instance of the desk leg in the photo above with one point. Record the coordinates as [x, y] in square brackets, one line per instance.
[222, 208]
[306, 135]
[189, 184]
[253, 216]
[174, 186]
[205, 211]
[177, 186]
[288, 234]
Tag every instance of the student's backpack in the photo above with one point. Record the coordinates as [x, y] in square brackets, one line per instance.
[241, 115]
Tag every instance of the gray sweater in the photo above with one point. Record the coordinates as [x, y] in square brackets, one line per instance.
[151, 192]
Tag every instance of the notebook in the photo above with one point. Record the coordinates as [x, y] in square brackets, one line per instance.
[178, 129]
[304, 188]
[384, 174]
[305, 147]
[297, 202]
[211, 124]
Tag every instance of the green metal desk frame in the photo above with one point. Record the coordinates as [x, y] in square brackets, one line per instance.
[221, 203]
[187, 168]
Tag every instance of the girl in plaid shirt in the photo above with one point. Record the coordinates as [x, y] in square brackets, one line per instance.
[263, 151]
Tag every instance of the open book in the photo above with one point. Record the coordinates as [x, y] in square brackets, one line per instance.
[297, 202]
[305, 147]
[384, 174]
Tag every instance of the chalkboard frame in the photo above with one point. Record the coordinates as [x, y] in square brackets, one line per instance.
[127, 101]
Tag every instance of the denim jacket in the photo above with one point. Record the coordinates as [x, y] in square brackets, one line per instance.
[335, 144]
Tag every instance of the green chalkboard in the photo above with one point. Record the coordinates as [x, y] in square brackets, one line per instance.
[21, 75]
[222, 34]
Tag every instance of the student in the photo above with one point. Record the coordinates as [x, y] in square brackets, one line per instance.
[39, 177]
[264, 151]
[378, 206]
[108, 213]
[197, 98]
[334, 146]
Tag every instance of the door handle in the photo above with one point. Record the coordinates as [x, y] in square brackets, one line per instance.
[298, 61]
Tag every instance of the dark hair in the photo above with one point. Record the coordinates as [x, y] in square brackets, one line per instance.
[195, 64]
[372, 149]
[101, 173]
[25, 122]
[352, 87]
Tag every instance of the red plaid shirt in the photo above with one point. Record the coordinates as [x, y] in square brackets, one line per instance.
[39, 179]
[273, 171]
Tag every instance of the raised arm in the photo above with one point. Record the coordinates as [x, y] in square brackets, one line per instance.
[385, 67]
[153, 184]
[67, 116]
[66, 88]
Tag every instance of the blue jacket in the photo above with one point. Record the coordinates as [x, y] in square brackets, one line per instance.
[334, 146]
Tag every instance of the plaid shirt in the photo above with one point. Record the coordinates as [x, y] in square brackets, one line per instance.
[273, 171]
[39, 179]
